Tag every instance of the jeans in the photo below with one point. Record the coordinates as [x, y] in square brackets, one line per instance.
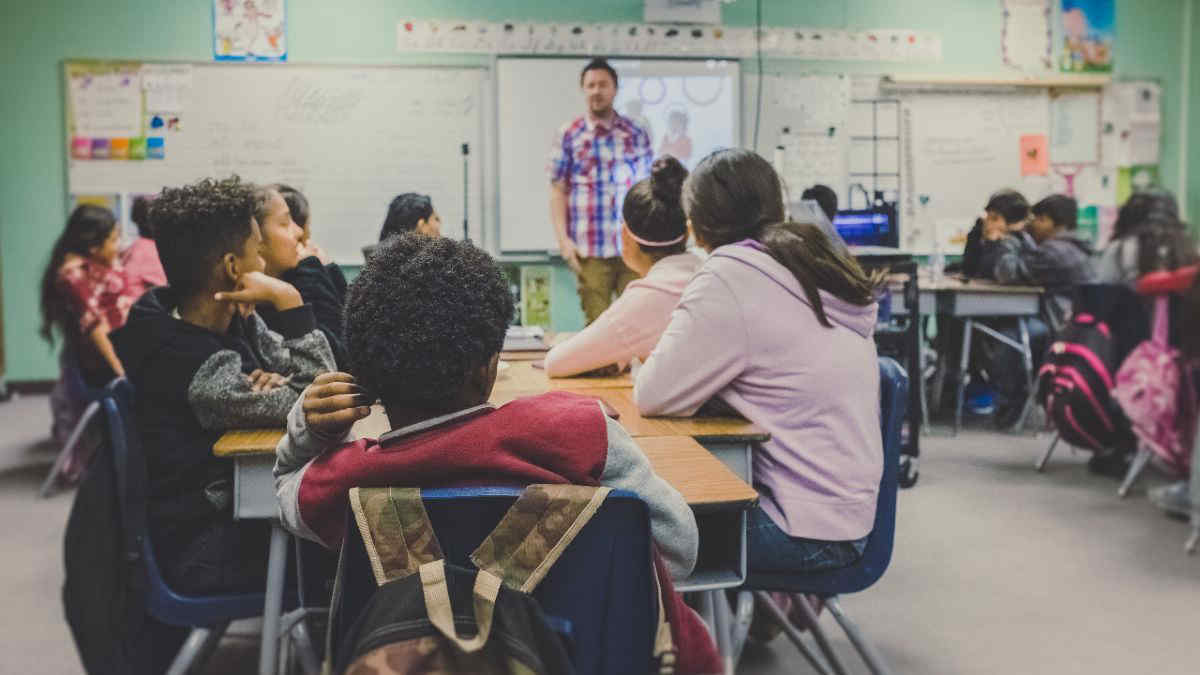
[770, 549]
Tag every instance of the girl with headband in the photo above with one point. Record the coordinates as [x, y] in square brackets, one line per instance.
[653, 244]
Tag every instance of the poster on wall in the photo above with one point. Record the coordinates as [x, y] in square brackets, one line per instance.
[250, 30]
[1026, 41]
[1088, 36]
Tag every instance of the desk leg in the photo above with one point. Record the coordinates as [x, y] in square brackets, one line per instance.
[964, 373]
[273, 606]
[723, 626]
[1027, 361]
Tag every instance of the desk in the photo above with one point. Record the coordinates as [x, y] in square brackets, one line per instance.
[971, 300]
[719, 496]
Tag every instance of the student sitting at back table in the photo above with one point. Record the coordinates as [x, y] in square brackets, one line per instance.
[425, 322]
[1059, 261]
[201, 363]
[85, 295]
[142, 267]
[653, 244]
[1004, 215]
[825, 197]
[409, 212]
[1147, 236]
[289, 259]
[778, 325]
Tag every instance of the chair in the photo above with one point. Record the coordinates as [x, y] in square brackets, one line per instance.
[600, 592]
[69, 462]
[208, 616]
[893, 400]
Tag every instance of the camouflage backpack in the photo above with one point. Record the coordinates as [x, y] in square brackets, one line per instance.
[429, 616]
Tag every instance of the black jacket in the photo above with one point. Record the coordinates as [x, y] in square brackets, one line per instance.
[190, 386]
[324, 288]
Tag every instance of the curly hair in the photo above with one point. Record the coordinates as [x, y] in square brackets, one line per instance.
[196, 225]
[422, 315]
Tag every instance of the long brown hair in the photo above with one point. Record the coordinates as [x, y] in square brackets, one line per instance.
[735, 194]
[87, 228]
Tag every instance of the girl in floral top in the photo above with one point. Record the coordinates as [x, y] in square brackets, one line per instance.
[85, 295]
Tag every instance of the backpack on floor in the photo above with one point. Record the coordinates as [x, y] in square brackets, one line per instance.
[1075, 384]
[1155, 390]
[428, 616]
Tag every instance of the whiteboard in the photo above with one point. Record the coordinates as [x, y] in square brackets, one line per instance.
[959, 148]
[349, 137]
[537, 97]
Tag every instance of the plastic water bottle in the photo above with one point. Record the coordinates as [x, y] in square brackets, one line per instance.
[937, 263]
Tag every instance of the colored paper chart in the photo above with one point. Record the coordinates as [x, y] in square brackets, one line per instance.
[104, 109]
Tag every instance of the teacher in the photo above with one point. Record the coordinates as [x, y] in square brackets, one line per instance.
[594, 161]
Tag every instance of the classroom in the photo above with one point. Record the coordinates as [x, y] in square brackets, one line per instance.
[665, 336]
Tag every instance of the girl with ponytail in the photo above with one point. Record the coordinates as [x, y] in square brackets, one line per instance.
[778, 325]
[653, 244]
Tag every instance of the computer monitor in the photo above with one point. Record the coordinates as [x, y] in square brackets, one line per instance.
[868, 227]
[809, 211]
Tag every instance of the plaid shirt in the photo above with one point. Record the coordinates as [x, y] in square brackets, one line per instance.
[598, 162]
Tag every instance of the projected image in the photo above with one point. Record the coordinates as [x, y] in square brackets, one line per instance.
[689, 109]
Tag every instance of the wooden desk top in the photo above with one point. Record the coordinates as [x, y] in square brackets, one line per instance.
[731, 429]
[681, 461]
[521, 376]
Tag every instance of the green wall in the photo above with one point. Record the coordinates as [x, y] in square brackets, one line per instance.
[36, 37]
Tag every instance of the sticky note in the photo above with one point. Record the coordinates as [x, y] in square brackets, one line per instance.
[99, 148]
[137, 148]
[81, 148]
[118, 148]
[155, 148]
[1035, 158]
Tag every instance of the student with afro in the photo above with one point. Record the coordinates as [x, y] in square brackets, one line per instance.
[425, 323]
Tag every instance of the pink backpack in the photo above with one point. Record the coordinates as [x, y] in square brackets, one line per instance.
[1154, 389]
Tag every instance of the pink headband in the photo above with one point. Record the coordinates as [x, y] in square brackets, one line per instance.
[644, 242]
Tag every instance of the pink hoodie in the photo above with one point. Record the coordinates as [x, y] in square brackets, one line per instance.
[745, 332]
[632, 325]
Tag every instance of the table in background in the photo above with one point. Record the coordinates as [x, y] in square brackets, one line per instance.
[970, 300]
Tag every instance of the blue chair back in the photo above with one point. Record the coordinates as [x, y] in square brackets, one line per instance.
[893, 405]
[601, 589]
[162, 603]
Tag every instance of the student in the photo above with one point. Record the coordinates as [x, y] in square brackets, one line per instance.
[825, 197]
[411, 212]
[654, 245]
[425, 322]
[1148, 235]
[84, 297]
[202, 362]
[778, 325]
[1058, 261]
[287, 257]
[143, 269]
[1005, 215]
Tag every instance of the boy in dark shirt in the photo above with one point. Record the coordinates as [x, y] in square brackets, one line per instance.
[202, 362]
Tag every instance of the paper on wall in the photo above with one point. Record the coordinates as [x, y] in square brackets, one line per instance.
[106, 105]
[1027, 38]
[166, 86]
[1075, 128]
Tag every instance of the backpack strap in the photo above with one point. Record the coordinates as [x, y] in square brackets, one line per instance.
[395, 530]
[441, 614]
[1162, 312]
[535, 531]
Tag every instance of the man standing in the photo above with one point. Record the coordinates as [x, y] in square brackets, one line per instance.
[594, 161]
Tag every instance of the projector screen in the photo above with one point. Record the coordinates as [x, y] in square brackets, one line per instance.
[688, 107]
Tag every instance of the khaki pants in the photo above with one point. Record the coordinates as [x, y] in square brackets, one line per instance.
[598, 280]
